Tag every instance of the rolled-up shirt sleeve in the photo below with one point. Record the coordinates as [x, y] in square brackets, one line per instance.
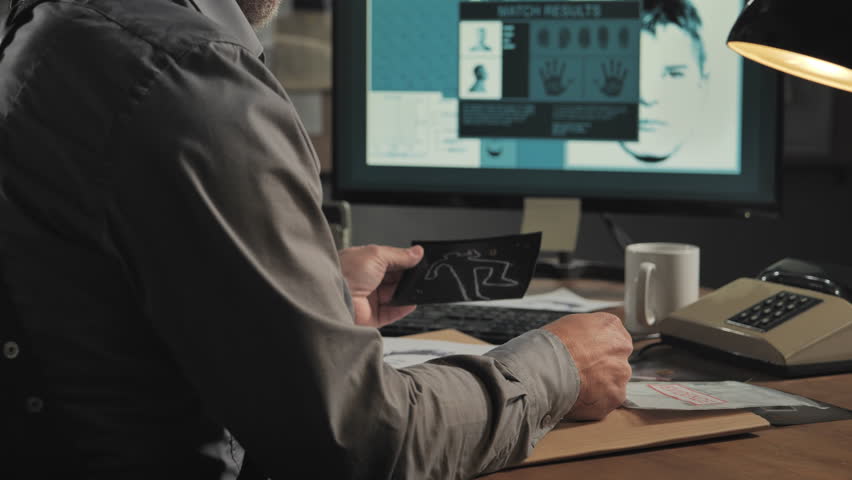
[216, 212]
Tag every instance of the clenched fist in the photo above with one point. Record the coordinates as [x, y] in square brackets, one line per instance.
[600, 347]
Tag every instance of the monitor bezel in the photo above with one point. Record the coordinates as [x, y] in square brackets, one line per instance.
[343, 111]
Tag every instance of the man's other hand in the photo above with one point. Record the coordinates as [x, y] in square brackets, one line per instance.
[600, 347]
[372, 273]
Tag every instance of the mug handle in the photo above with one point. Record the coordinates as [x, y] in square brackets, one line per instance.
[642, 304]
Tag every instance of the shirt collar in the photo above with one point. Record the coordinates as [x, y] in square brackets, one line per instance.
[228, 14]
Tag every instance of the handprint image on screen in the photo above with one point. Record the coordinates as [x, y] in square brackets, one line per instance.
[614, 74]
[553, 77]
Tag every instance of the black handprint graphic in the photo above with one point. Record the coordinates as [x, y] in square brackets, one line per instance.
[552, 78]
[613, 78]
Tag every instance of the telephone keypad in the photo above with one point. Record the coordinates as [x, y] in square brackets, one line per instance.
[773, 311]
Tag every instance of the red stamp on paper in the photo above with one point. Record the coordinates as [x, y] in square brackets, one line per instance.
[679, 392]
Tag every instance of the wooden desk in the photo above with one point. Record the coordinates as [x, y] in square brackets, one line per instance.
[814, 452]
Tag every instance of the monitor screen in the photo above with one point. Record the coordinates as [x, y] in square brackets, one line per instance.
[634, 104]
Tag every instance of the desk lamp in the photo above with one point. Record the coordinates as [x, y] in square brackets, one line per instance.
[805, 39]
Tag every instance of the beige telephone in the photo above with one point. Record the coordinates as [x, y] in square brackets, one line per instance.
[790, 329]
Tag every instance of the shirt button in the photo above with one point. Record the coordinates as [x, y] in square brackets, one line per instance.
[11, 350]
[545, 422]
[34, 404]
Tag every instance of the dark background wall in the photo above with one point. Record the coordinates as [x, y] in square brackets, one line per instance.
[816, 222]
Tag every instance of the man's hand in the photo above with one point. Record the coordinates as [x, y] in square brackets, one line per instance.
[600, 346]
[372, 273]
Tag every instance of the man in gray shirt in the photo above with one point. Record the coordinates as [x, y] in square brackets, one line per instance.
[164, 253]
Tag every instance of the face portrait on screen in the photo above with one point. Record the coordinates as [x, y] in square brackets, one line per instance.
[673, 79]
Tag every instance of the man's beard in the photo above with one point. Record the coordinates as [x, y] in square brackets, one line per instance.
[258, 12]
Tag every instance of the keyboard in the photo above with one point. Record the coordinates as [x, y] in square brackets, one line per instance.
[492, 324]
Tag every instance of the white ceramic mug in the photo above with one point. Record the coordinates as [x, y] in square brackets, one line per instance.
[659, 278]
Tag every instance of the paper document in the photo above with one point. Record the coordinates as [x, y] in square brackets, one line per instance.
[559, 300]
[708, 396]
[404, 352]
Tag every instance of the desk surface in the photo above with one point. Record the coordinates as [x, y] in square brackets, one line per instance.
[814, 452]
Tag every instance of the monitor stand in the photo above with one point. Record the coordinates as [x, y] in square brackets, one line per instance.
[559, 221]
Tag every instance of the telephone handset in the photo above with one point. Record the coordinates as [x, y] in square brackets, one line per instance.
[794, 319]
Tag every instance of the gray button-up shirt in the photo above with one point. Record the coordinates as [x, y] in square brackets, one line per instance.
[163, 246]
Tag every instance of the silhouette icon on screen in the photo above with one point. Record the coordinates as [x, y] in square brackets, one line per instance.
[481, 45]
[481, 75]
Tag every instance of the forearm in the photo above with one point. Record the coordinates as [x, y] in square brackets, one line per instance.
[460, 416]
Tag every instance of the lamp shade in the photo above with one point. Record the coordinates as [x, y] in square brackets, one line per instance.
[808, 39]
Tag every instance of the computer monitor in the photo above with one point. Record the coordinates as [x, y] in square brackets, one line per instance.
[629, 105]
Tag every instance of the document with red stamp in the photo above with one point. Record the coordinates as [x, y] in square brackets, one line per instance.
[688, 395]
[707, 396]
